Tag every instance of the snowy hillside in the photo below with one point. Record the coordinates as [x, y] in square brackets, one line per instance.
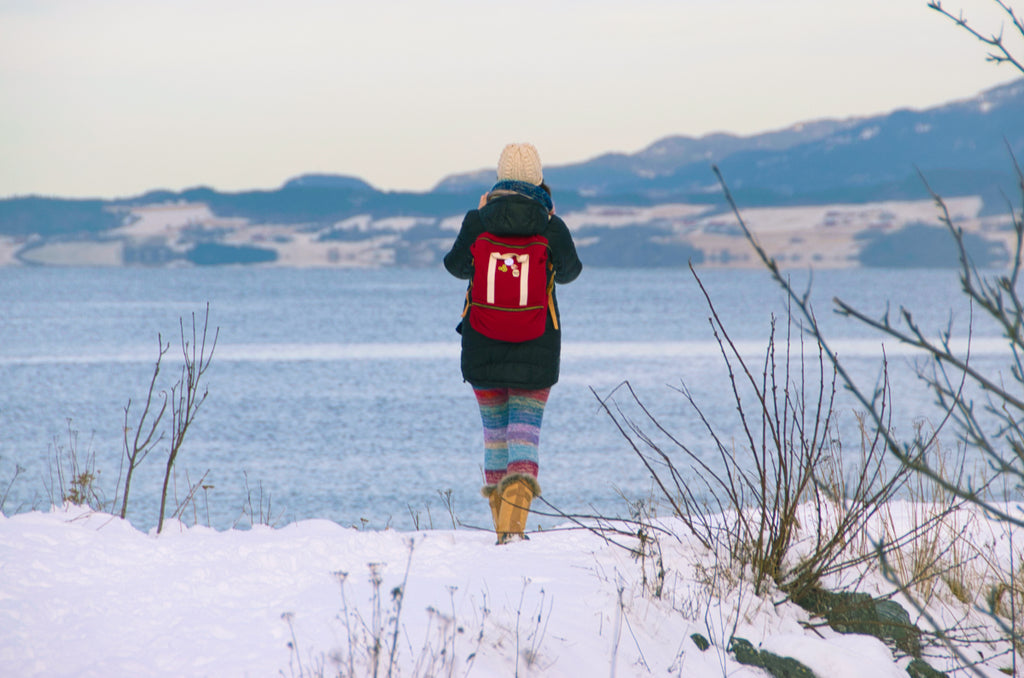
[85, 594]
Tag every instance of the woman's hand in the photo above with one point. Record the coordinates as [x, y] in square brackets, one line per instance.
[483, 201]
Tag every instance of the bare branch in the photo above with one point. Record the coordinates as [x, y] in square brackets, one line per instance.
[1001, 53]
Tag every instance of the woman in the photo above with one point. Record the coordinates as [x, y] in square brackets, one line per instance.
[512, 380]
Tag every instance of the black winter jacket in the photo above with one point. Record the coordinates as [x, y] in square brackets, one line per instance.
[489, 363]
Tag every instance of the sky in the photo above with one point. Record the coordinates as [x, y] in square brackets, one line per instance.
[111, 98]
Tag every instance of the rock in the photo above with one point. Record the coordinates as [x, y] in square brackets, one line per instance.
[920, 669]
[700, 641]
[860, 613]
[779, 667]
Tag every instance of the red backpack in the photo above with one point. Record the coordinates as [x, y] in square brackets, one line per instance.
[510, 292]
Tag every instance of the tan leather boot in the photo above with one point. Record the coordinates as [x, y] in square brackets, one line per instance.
[494, 499]
[517, 491]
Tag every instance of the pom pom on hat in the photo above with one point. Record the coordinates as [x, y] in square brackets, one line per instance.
[520, 162]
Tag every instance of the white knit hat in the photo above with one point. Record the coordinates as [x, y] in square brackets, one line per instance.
[520, 162]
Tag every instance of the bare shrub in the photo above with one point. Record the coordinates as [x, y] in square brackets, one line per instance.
[984, 409]
[262, 513]
[187, 395]
[379, 645]
[782, 466]
[146, 429]
[18, 470]
[73, 474]
[74, 477]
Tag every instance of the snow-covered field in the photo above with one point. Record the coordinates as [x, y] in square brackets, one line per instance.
[828, 235]
[85, 594]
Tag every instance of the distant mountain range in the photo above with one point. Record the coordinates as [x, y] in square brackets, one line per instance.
[962, 148]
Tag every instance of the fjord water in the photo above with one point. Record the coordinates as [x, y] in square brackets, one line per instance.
[336, 393]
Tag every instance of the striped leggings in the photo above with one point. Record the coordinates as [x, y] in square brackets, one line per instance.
[511, 418]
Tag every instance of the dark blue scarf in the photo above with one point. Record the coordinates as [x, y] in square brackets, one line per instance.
[527, 189]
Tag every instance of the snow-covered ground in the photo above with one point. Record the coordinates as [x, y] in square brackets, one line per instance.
[828, 235]
[85, 594]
